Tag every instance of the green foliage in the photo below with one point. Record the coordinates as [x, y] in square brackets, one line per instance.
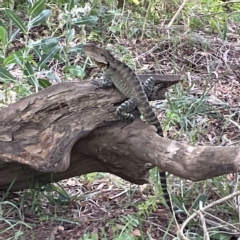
[184, 108]
[89, 236]
[11, 15]
[217, 13]
[56, 194]
[6, 208]
[147, 207]
[5, 76]
[42, 17]
[130, 223]
[92, 176]
[36, 8]
[22, 57]
[3, 36]
[221, 28]
[35, 57]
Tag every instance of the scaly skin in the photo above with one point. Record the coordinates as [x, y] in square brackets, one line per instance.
[127, 82]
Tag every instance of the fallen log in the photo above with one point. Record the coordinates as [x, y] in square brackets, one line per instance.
[66, 130]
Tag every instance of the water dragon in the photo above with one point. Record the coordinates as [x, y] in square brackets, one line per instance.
[127, 82]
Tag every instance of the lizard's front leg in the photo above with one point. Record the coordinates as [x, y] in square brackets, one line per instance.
[106, 82]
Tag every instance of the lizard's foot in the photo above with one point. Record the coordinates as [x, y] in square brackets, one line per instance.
[123, 116]
[127, 122]
[96, 82]
[103, 83]
[123, 111]
[126, 117]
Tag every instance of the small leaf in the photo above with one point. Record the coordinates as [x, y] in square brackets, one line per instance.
[42, 17]
[28, 72]
[70, 5]
[70, 35]
[5, 76]
[48, 57]
[85, 20]
[44, 82]
[75, 71]
[11, 59]
[3, 24]
[49, 43]
[220, 236]
[36, 8]
[37, 53]
[17, 60]
[14, 35]
[201, 198]
[3, 36]
[16, 20]
[53, 77]
[45, 44]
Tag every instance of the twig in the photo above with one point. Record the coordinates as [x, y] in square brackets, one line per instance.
[221, 227]
[225, 225]
[118, 195]
[180, 232]
[169, 233]
[176, 14]
[236, 124]
[202, 219]
[145, 21]
[148, 52]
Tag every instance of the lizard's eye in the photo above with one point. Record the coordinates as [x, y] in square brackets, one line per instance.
[102, 54]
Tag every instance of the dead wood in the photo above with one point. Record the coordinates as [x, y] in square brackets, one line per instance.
[64, 131]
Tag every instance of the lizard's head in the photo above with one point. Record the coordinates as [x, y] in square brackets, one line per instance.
[99, 55]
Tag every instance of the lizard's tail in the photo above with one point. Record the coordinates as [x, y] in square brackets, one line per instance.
[163, 181]
[148, 113]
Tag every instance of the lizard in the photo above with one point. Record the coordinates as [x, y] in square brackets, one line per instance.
[127, 82]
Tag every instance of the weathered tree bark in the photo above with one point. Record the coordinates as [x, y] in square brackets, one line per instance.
[64, 131]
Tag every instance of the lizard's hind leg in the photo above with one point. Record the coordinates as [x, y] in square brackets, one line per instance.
[150, 89]
[123, 111]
